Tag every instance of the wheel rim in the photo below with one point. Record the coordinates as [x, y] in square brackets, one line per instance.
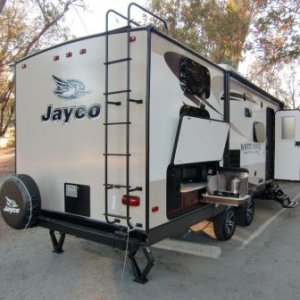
[229, 222]
[249, 211]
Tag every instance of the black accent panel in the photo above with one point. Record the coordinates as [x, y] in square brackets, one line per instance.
[193, 111]
[248, 112]
[226, 115]
[270, 143]
[234, 158]
[173, 188]
[77, 199]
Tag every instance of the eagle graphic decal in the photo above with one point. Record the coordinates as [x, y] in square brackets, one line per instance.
[69, 89]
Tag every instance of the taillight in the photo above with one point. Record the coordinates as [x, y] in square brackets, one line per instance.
[155, 209]
[131, 201]
[69, 54]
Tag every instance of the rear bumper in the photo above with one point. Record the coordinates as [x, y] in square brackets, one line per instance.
[111, 235]
[116, 236]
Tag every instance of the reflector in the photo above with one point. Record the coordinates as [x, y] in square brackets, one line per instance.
[133, 200]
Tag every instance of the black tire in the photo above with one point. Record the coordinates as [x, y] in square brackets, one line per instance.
[224, 224]
[20, 201]
[245, 213]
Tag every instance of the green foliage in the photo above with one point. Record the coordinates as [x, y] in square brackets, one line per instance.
[226, 31]
[216, 29]
[277, 33]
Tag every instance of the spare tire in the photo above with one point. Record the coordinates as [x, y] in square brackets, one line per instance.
[20, 201]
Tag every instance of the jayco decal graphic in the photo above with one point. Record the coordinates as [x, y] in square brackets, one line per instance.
[64, 114]
[11, 206]
[69, 89]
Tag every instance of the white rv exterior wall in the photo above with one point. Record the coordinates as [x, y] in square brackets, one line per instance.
[253, 155]
[166, 99]
[55, 152]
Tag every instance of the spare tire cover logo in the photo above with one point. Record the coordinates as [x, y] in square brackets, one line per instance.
[11, 206]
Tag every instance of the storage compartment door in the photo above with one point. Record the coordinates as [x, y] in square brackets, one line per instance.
[199, 140]
[287, 145]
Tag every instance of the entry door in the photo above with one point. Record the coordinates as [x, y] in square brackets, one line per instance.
[287, 145]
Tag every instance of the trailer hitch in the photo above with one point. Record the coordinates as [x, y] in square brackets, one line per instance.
[274, 192]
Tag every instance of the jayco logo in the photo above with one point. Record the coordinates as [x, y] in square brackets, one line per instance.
[11, 206]
[69, 90]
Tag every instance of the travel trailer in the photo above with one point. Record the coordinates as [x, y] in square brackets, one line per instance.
[128, 137]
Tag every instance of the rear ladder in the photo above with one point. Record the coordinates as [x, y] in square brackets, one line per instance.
[140, 274]
[108, 155]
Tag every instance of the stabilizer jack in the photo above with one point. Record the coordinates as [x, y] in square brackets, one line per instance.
[274, 192]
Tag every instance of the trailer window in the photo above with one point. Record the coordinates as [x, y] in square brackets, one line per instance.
[194, 78]
[259, 132]
[287, 128]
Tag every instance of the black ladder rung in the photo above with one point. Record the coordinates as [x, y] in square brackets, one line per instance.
[116, 92]
[140, 101]
[119, 186]
[117, 216]
[117, 123]
[116, 154]
[118, 103]
[137, 188]
[117, 61]
[115, 186]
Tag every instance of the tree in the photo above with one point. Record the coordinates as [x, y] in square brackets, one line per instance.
[290, 93]
[275, 46]
[2, 3]
[277, 33]
[217, 29]
[227, 31]
[26, 26]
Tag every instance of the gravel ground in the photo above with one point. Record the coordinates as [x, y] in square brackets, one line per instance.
[265, 268]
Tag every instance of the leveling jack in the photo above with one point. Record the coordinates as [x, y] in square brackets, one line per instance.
[140, 270]
[141, 274]
[274, 192]
[57, 243]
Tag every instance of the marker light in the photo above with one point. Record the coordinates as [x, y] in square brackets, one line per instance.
[133, 200]
[155, 209]
[132, 39]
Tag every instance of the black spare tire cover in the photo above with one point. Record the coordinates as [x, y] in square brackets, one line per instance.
[20, 201]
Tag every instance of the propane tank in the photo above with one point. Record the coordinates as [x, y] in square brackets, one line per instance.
[235, 185]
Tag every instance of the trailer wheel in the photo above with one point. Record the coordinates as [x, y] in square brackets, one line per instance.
[224, 224]
[245, 213]
[20, 201]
